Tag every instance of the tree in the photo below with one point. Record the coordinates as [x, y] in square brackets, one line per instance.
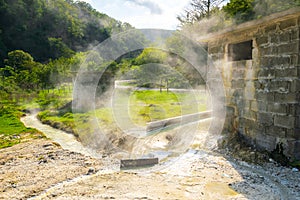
[241, 10]
[19, 60]
[198, 10]
[245, 10]
[267, 7]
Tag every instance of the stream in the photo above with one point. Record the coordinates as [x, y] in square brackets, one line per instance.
[67, 141]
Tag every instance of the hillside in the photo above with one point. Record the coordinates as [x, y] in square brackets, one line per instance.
[49, 29]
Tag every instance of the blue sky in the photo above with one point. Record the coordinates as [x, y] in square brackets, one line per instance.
[143, 13]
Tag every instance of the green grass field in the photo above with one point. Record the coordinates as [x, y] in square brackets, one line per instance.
[150, 105]
[12, 130]
[141, 106]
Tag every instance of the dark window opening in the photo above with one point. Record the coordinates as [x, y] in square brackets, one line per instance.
[240, 51]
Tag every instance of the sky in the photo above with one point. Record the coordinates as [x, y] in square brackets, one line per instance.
[159, 14]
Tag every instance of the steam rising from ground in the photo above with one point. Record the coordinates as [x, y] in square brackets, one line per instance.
[122, 134]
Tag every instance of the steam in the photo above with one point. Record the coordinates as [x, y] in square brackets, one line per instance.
[120, 138]
[153, 7]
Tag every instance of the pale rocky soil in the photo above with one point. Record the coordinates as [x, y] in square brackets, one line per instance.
[29, 168]
[42, 169]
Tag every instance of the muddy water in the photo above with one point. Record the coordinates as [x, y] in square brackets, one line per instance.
[67, 141]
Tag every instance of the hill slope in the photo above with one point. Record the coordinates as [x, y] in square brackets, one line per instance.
[52, 28]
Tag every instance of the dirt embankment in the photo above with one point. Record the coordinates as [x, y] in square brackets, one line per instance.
[29, 168]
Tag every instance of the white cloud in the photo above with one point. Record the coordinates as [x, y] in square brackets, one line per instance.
[143, 13]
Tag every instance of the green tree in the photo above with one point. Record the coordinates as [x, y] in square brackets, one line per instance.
[241, 10]
[198, 10]
[19, 60]
[59, 48]
[54, 28]
[151, 55]
[21, 71]
[267, 7]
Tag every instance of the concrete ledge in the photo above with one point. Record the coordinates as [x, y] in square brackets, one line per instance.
[185, 119]
[133, 163]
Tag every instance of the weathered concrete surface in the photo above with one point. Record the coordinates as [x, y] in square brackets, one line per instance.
[263, 93]
[131, 163]
[181, 120]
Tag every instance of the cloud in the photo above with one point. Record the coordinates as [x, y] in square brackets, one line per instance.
[153, 7]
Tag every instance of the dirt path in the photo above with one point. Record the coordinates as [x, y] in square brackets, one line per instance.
[28, 170]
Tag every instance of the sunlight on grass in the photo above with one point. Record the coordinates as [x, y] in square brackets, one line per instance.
[149, 105]
[12, 130]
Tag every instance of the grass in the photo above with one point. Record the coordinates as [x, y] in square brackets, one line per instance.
[12, 130]
[141, 106]
[150, 105]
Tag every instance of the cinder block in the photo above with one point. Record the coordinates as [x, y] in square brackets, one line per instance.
[286, 98]
[265, 142]
[295, 86]
[262, 40]
[294, 34]
[262, 106]
[276, 131]
[274, 38]
[285, 37]
[289, 48]
[279, 86]
[284, 121]
[265, 96]
[288, 72]
[265, 118]
[266, 73]
[277, 108]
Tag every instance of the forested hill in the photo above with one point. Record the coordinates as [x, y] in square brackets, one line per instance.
[52, 28]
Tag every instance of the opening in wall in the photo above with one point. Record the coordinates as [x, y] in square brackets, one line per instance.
[240, 51]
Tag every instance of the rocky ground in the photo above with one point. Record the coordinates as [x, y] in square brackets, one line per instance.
[44, 169]
[29, 168]
[41, 169]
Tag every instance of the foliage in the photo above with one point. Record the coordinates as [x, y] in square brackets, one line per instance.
[154, 67]
[21, 72]
[237, 10]
[267, 7]
[245, 10]
[199, 9]
[52, 28]
[241, 10]
[12, 130]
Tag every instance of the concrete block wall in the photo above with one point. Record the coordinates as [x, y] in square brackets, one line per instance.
[277, 85]
[263, 93]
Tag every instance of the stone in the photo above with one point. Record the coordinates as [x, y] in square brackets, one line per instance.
[265, 118]
[277, 108]
[295, 170]
[91, 171]
[284, 121]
